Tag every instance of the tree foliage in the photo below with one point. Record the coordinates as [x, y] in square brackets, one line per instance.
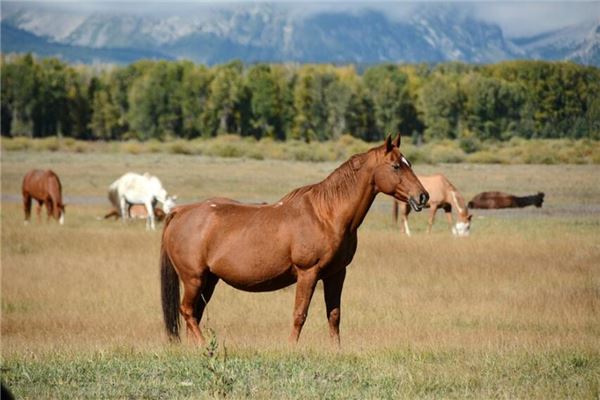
[163, 100]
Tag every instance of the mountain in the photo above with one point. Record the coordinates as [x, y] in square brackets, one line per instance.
[578, 43]
[16, 40]
[282, 32]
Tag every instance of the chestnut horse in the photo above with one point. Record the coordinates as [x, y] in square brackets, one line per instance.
[442, 194]
[137, 211]
[310, 234]
[45, 187]
[494, 200]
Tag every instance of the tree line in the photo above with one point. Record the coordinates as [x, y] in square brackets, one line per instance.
[168, 99]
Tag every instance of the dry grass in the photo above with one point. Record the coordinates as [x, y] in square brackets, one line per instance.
[526, 282]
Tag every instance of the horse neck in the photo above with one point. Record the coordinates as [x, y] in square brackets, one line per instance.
[345, 196]
[460, 205]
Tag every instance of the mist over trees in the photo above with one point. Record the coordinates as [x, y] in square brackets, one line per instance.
[167, 99]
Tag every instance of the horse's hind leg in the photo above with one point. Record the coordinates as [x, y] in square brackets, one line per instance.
[190, 309]
[205, 295]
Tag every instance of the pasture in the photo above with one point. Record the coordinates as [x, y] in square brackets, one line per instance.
[513, 311]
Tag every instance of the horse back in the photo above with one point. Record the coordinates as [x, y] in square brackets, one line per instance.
[42, 184]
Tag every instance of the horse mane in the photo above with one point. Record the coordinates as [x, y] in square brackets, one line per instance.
[336, 187]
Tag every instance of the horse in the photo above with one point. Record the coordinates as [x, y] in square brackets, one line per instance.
[137, 211]
[495, 200]
[146, 189]
[308, 235]
[45, 187]
[443, 194]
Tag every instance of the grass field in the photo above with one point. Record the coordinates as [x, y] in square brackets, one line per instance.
[511, 312]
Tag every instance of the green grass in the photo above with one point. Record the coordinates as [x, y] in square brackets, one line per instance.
[403, 373]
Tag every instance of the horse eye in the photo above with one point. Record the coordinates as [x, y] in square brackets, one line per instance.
[396, 166]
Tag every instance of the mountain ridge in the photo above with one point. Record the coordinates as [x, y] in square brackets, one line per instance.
[269, 33]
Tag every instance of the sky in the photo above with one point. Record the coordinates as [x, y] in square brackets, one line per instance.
[516, 18]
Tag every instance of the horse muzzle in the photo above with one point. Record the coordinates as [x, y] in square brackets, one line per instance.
[418, 206]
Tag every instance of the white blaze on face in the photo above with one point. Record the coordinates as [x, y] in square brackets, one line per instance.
[461, 229]
[405, 161]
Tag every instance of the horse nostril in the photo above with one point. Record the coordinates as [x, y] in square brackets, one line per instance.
[423, 198]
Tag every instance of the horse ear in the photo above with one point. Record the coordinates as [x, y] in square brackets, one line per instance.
[397, 141]
[469, 217]
[388, 144]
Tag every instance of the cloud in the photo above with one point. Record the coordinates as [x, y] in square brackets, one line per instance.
[515, 18]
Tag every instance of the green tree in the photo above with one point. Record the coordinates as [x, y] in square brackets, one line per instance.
[266, 102]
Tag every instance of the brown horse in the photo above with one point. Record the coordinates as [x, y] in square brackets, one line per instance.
[310, 234]
[45, 187]
[442, 194]
[137, 211]
[494, 200]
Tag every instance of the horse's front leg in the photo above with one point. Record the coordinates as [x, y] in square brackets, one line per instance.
[49, 210]
[124, 208]
[305, 287]
[431, 217]
[332, 288]
[27, 207]
[150, 219]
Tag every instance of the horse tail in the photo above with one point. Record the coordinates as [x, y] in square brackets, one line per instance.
[169, 282]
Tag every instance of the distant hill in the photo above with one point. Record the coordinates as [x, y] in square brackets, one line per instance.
[264, 32]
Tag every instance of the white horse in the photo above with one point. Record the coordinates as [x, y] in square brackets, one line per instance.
[145, 189]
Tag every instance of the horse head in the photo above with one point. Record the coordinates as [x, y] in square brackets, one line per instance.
[462, 228]
[169, 203]
[395, 177]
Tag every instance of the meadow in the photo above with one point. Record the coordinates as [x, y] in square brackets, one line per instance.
[513, 311]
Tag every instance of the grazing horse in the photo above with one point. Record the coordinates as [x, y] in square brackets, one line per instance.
[137, 211]
[309, 235]
[493, 200]
[442, 194]
[146, 189]
[45, 187]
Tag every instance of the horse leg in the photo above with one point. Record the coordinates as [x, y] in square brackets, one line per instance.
[38, 210]
[431, 217]
[194, 288]
[27, 206]
[124, 209]
[332, 286]
[150, 219]
[405, 210]
[49, 209]
[205, 295]
[448, 212]
[305, 287]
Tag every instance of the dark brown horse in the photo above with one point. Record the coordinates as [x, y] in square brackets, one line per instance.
[45, 187]
[310, 234]
[494, 200]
